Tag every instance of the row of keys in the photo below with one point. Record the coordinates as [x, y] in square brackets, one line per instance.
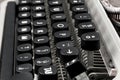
[35, 39]
[58, 24]
[35, 15]
[65, 48]
[40, 2]
[90, 39]
[24, 54]
[28, 8]
[27, 2]
[24, 26]
[42, 51]
[24, 4]
[46, 70]
[84, 25]
[89, 42]
[36, 23]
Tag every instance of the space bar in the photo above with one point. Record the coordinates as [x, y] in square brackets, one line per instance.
[7, 51]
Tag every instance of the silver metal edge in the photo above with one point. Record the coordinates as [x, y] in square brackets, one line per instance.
[107, 32]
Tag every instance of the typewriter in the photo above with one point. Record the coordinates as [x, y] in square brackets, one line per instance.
[57, 40]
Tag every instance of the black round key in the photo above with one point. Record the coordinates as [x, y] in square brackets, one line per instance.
[38, 8]
[57, 9]
[43, 40]
[83, 17]
[76, 2]
[43, 61]
[24, 8]
[40, 31]
[24, 2]
[23, 15]
[68, 54]
[64, 44]
[24, 37]
[24, 58]
[38, 2]
[40, 23]
[58, 17]
[79, 9]
[24, 68]
[47, 73]
[24, 22]
[38, 15]
[22, 76]
[62, 36]
[42, 51]
[85, 27]
[24, 47]
[55, 3]
[25, 29]
[90, 41]
[59, 26]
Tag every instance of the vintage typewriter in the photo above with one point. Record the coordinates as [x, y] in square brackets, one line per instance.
[57, 40]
